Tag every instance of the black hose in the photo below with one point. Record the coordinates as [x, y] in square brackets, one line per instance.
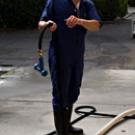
[41, 36]
[92, 112]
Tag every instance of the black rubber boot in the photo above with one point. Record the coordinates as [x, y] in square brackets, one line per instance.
[73, 130]
[61, 121]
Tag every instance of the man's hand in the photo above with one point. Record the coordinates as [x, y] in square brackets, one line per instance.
[71, 21]
[43, 24]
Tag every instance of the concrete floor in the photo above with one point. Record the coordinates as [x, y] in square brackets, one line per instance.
[25, 101]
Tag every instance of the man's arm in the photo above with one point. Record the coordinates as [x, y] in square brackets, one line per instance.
[42, 24]
[47, 16]
[93, 21]
[91, 25]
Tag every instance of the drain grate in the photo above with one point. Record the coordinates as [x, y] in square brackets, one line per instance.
[5, 69]
[3, 72]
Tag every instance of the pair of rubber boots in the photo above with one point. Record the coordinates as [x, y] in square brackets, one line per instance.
[62, 122]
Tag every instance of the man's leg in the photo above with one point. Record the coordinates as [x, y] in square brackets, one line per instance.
[75, 85]
[58, 112]
[60, 75]
[73, 130]
[61, 121]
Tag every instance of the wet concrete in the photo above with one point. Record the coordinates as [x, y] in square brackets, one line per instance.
[111, 47]
[25, 101]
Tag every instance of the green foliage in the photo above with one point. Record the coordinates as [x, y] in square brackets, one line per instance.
[105, 8]
[122, 7]
[26, 13]
[20, 13]
[131, 3]
[110, 9]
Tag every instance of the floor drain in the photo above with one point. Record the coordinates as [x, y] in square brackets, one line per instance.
[3, 72]
[5, 69]
[6, 65]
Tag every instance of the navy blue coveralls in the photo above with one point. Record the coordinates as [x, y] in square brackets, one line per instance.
[66, 49]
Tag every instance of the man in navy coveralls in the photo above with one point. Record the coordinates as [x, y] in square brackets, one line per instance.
[71, 19]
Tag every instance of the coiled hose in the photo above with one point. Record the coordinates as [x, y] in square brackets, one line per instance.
[93, 112]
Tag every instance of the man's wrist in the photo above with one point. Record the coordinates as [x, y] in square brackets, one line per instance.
[80, 22]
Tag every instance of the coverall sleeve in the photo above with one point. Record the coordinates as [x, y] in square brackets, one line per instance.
[47, 13]
[91, 11]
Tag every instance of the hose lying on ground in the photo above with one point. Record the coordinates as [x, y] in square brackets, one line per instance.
[115, 121]
[92, 112]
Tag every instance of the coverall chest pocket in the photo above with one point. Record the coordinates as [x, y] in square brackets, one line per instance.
[83, 12]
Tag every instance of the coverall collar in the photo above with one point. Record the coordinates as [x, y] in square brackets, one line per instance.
[71, 1]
